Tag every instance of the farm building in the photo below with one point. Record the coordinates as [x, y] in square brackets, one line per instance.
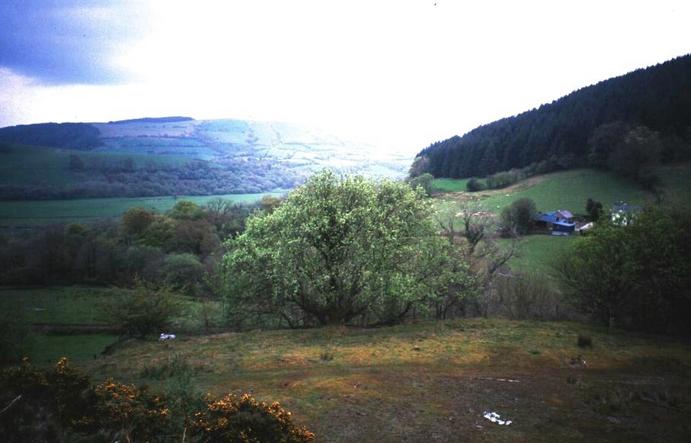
[560, 222]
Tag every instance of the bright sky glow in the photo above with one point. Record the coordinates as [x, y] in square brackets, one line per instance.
[402, 73]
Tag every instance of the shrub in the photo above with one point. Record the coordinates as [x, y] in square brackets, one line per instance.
[182, 271]
[143, 311]
[186, 210]
[61, 404]
[474, 185]
[529, 296]
[244, 419]
[136, 220]
[637, 275]
[518, 217]
[584, 341]
[424, 181]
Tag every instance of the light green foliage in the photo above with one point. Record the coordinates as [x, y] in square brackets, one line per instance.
[336, 250]
[186, 210]
[449, 184]
[159, 232]
[424, 181]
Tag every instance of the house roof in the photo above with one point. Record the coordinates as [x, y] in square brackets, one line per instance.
[564, 213]
[554, 218]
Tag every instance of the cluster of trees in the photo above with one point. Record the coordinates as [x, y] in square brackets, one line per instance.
[353, 251]
[635, 274]
[556, 135]
[108, 177]
[178, 249]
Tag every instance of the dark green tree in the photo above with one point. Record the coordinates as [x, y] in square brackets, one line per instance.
[517, 218]
[635, 276]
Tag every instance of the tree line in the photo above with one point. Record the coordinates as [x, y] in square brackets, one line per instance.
[179, 249]
[103, 177]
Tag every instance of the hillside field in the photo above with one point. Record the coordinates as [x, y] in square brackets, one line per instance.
[30, 165]
[72, 321]
[433, 381]
[564, 190]
[43, 212]
[428, 381]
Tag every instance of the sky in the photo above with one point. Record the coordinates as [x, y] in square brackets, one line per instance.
[399, 74]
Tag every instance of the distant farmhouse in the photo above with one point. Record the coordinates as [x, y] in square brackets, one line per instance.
[559, 222]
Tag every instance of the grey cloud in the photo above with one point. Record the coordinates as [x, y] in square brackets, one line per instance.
[68, 41]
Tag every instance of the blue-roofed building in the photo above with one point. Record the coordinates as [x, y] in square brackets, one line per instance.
[556, 221]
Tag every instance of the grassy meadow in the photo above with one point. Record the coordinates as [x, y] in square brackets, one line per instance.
[72, 321]
[449, 185]
[432, 381]
[41, 212]
[426, 381]
[31, 165]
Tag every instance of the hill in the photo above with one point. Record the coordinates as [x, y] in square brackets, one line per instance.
[175, 155]
[434, 381]
[429, 381]
[558, 134]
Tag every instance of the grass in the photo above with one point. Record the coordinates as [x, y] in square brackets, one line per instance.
[449, 184]
[46, 349]
[537, 253]
[42, 212]
[560, 190]
[58, 305]
[570, 190]
[675, 182]
[72, 321]
[31, 165]
[432, 381]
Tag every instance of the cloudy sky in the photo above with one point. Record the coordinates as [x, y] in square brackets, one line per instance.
[404, 72]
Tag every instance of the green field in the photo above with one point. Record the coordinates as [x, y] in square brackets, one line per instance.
[30, 165]
[560, 190]
[71, 311]
[57, 305]
[449, 184]
[675, 182]
[568, 190]
[41, 212]
[537, 254]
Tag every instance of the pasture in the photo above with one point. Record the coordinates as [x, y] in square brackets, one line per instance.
[72, 321]
[31, 165]
[32, 213]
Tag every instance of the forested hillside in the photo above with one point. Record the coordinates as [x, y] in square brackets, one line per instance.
[652, 105]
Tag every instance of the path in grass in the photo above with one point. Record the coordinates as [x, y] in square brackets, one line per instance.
[432, 381]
